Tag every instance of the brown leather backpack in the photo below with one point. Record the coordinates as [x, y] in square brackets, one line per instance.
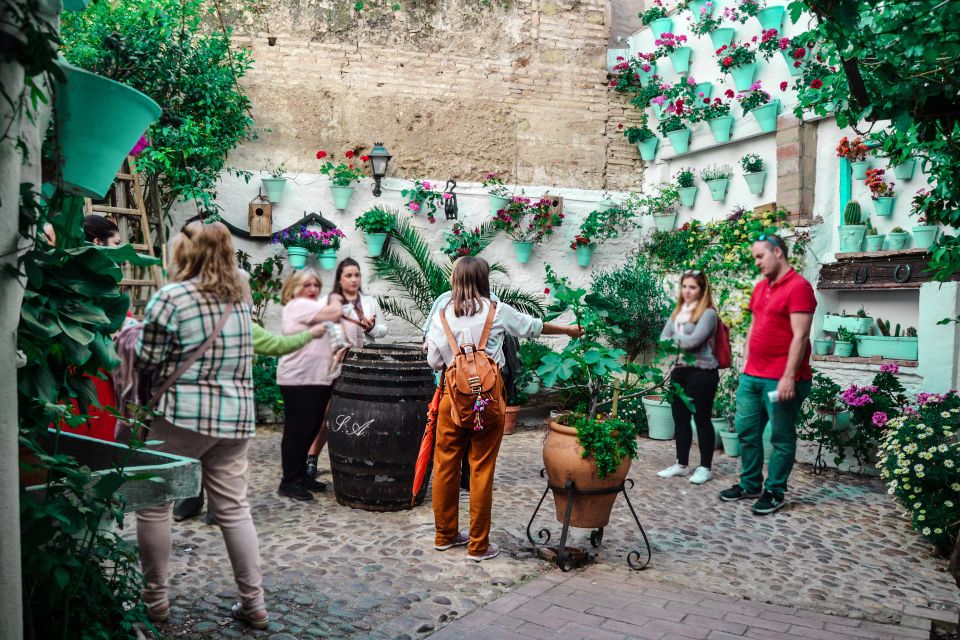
[473, 380]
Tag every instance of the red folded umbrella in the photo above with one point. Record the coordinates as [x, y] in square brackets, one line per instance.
[426, 444]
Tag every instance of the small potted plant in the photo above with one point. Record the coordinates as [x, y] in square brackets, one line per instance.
[724, 410]
[656, 18]
[705, 22]
[924, 234]
[527, 222]
[794, 51]
[674, 46]
[498, 195]
[873, 240]
[717, 179]
[662, 205]
[843, 347]
[858, 323]
[821, 345]
[423, 198]
[329, 245]
[852, 230]
[377, 224]
[686, 187]
[673, 124]
[300, 243]
[275, 184]
[881, 192]
[754, 172]
[461, 241]
[856, 154]
[716, 113]
[738, 59]
[342, 176]
[897, 239]
[645, 139]
[758, 103]
[889, 343]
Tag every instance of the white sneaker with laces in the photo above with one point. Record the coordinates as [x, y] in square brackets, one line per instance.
[674, 470]
[701, 475]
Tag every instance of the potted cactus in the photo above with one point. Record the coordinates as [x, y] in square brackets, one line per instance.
[873, 240]
[853, 230]
[686, 186]
[754, 172]
[897, 239]
[889, 344]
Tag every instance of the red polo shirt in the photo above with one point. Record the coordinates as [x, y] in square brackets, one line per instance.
[770, 337]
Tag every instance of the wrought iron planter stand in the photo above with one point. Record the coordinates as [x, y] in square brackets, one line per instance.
[596, 536]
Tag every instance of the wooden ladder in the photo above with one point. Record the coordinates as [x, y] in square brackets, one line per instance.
[140, 283]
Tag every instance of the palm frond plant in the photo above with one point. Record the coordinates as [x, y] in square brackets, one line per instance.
[408, 264]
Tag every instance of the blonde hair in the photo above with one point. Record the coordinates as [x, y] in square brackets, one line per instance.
[470, 280]
[295, 283]
[204, 251]
[706, 299]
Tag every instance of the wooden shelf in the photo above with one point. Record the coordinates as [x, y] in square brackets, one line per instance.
[906, 269]
[875, 360]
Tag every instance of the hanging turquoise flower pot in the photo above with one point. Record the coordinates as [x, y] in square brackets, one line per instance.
[744, 75]
[97, 122]
[657, 110]
[522, 251]
[755, 181]
[679, 140]
[665, 222]
[721, 127]
[925, 235]
[904, 170]
[860, 169]
[497, 203]
[706, 88]
[722, 37]
[688, 195]
[718, 188]
[648, 148]
[274, 188]
[772, 17]
[661, 25]
[680, 57]
[874, 242]
[647, 76]
[298, 257]
[584, 254]
[883, 206]
[375, 242]
[328, 259]
[766, 115]
[341, 196]
[789, 59]
[700, 8]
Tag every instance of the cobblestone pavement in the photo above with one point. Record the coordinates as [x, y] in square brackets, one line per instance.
[839, 547]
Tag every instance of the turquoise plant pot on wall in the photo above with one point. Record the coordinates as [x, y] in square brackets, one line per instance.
[665, 222]
[584, 255]
[496, 203]
[679, 140]
[744, 75]
[688, 195]
[766, 115]
[298, 257]
[681, 59]
[821, 346]
[755, 181]
[375, 242]
[648, 148]
[859, 169]
[843, 349]
[895, 348]
[904, 170]
[722, 37]
[851, 237]
[706, 88]
[646, 76]
[924, 236]
[790, 60]
[698, 6]
[97, 121]
[771, 18]
[274, 188]
[718, 188]
[883, 206]
[341, 196]
[522, 251]
[661, 25]
[720, 128]
[328, 259]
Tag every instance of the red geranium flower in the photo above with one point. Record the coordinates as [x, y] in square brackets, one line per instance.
[729, 93]
[321, 155]
[799, 52]
[619, 125]
[816, 83]
[351, 166]
[364, 158]
[546, 290]
[727, 61]
[349, 153]
[783, 86]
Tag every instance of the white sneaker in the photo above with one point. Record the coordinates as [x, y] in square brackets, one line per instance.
[674, 470]
[701, 475]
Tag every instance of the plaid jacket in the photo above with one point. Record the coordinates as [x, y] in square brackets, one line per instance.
[214, 397]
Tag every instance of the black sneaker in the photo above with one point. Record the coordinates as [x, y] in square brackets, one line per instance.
[294, 490]
[736, 492]
[188, 508]
[312, 469]
[768, 503]
[209, 518]
[313, 485]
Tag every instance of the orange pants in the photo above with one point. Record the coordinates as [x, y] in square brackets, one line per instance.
[482, 456]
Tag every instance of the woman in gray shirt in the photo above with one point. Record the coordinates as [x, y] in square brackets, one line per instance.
[692, 326]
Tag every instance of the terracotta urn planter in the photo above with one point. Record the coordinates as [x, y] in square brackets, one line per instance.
[510, 419]
[562, 460]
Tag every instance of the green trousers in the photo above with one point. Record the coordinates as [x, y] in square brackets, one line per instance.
[754, 410]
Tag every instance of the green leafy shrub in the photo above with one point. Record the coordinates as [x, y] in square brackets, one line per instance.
[266, 391]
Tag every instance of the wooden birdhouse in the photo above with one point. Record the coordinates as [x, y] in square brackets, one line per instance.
[261, 217]
[556, 203]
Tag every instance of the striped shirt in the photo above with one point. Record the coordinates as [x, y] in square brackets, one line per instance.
[214, 397]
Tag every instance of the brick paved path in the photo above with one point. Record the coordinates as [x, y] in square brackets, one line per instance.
[607, 605]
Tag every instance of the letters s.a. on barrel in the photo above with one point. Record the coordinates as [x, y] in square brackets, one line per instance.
[376, 420]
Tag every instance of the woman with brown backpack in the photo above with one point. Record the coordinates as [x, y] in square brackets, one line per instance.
[465, 339]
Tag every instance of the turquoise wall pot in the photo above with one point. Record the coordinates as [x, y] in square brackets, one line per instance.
[744, 75]
[328, 259]
[766, 115]
[772, 17]
[851, 237]
[298, 257]
[688, 195]
[584, 254]
[883, 206]
[523, 251]
[375, 242]
[789, 59]
[721, 128]
[755, 181]
[706, 88]
[648, 148]
[722, 37]
[904, 170]
[274, 188]
[924, 236]
[680, 140]
[661, 25]
[897, 241]
[341, 196]
[718, 188]
[680, 58]
[860, 169]
[874, 243]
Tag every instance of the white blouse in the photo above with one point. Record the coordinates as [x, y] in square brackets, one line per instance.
[467, 330]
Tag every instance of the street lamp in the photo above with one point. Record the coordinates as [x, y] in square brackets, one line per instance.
[379, 159]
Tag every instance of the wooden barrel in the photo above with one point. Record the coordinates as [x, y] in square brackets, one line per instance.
[376, 420]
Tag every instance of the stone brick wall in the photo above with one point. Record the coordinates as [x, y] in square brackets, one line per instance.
[796, 167]
[454, 89]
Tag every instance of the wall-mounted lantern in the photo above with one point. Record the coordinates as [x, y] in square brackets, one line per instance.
[379, 159]
[450, 203]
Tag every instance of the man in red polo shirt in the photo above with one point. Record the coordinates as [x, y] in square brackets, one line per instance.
[776, 377]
